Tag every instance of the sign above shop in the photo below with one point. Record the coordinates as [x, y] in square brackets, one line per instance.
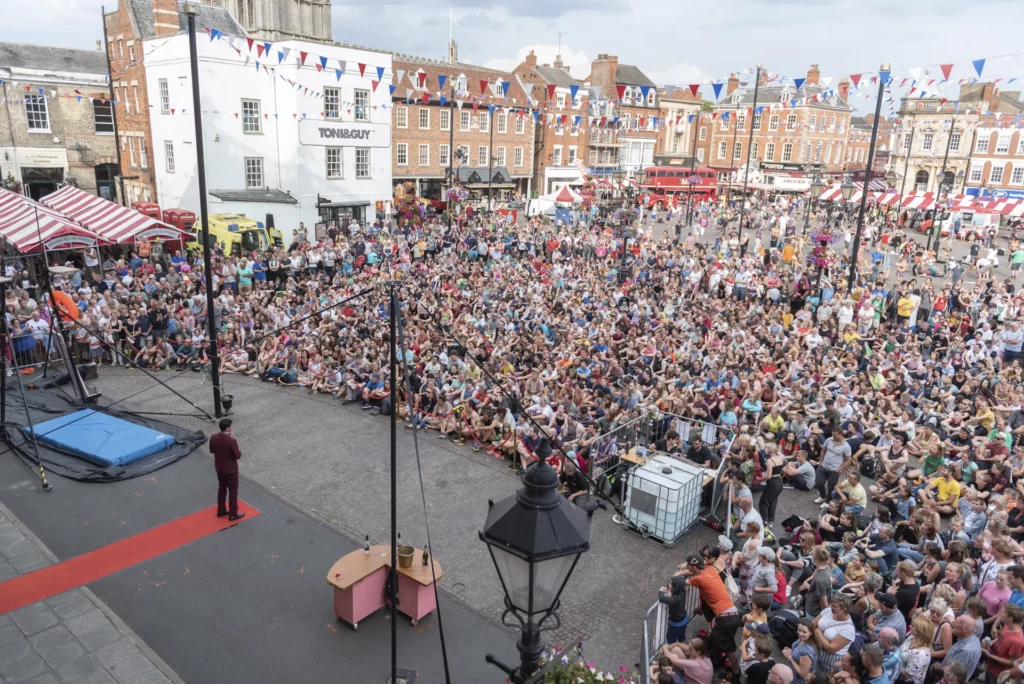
[801, 168]
[344, 134]
[70, 242]
[157, 234]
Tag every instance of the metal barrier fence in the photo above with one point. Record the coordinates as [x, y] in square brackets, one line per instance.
[28, 352]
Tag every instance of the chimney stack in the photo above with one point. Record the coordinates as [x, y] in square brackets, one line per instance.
[531, 59]
[813, 76]
[165, 18]
[558, 61]
[732, 84]
[844, 87]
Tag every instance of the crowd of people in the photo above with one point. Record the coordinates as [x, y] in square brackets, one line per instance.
[523, 335]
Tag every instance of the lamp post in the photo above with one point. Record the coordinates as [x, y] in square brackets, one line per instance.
[846, 190]
[640, 176]
[535, 538]
[943, 183]
[817, 187]
[883, 78]
[750, 147]
[695, 122]
[490, 156]
[451, 143]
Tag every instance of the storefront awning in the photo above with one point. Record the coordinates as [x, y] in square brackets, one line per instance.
[108, 219]
[29, 226]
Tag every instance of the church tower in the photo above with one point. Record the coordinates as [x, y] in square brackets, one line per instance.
[277, 20]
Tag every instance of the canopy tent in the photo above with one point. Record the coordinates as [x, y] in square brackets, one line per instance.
[564, 196]
[30, 227]
[108, 219]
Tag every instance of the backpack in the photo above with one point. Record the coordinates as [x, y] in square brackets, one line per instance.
[792, 522]
[869, 468]
[783, 626]
[385, 406]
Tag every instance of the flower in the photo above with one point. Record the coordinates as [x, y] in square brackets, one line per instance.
[623, 668]
[590, 664]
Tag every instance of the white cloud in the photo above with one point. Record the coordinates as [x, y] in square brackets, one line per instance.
[578, 62]
[677, 74]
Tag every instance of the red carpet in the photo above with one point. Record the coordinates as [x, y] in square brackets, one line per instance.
[81, 570]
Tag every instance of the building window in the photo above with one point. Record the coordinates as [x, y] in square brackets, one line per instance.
[401, 117]
[362, 106]
[814, 122]
[334, 162]
[906, 142]
[251, 117]
[842, 124]
[443, 155]
[424, 157]
[757, 123]
[103, 115]
[481, 155]
[723, 148]
[362, 162]
[518, 158]
[165, 97]
[143, 157]
[135, 93]
[572, 155]
[120, 49]
[402, 155]
[754, 150]
[1003, 143]
[502, 122]
[1017, 175]
[769, 151]
[254, 172]
[954, 142]
[927, 141]
[424, 122]
[741, 121]
[36, 114]
[464, 121]
[499, 155]
[445, 115]
[169, 156]
[520, 125]
[703, 135]
[560, 100]
[332, 103]
[700, 155]
[787, 152]
[791, 122]
[817, 153]
[773, 122]
[557, 161]
[592, 156]
[131, 152]
[832, 123]
[995, 175]
[131, 53]
[976, 171]
[737, 150]
[725, 123]
[981, 146]
[485, 122]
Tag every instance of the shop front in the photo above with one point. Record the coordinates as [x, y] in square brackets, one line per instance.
[40, 170]
[500, 185]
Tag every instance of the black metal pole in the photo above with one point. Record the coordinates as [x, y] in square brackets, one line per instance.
[393, 389]
[693, 167]
[530, 649]
[3, 354]
[211, 323]
[750, 148]
[732, 153]
[113, 114]
[906, 168]
[807, 216]
[883, 76]
[942, 184]
[451, 147]
[490, 156]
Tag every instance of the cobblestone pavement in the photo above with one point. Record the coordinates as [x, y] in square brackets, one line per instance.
[72, 637]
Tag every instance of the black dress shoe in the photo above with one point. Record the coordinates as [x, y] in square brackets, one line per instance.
[221, 514]
[236, 517]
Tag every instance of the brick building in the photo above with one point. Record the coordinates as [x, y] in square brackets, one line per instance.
[632, 97]
[57, 126]
[491, 138]
[675, 143]
[859, 145]
[799, 133]
[562, 146]
[126, 27]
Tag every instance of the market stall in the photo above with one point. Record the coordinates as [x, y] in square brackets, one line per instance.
[28, 226]
[109, 220]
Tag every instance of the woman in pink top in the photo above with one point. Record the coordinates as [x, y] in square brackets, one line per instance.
[995, 594]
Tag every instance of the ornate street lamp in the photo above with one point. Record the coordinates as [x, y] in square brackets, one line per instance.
[817, 187]
[846, 190]
[535, 538]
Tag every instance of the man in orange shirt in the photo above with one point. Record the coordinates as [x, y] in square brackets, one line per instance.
[719, 608]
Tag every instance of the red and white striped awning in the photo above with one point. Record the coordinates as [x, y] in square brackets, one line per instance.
[1006, 207]
[108, 219]
[29, 226]
[919, 200]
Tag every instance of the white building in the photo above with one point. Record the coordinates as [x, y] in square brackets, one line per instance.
[280, 139]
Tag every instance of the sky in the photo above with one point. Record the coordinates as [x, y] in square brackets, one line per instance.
[675, 42]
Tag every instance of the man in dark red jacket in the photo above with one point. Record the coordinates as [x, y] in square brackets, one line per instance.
[225, 459]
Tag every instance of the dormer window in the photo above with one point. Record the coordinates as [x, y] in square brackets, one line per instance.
[736, 97]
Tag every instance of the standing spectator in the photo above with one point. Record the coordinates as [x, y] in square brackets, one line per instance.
[225, 459]
[834, 631]
[835, 458]
[1007, 647]
[967, 649]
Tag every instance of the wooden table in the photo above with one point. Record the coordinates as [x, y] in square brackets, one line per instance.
[360, 580]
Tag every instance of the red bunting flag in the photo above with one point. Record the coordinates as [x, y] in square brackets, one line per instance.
[236, 115]
[293, 115]
[28, 87]
[483, 86]
[551, 91]
[946, 69]
[302, 58]
[266, 116]
[373, 85]
[621, 90]
[250, 42]
[362, 69]
[172, 111]
[422, 78]
[259, 49]
[426, 98]
[476, 105]
[856, 80]
[694, 87]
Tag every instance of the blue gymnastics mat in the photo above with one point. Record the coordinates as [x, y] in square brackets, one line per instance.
[101, 438]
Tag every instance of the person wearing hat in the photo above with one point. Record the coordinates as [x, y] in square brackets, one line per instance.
[764, 580]
[715, 597]
[887, 616]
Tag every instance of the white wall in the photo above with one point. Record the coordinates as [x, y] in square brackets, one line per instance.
[225, 81]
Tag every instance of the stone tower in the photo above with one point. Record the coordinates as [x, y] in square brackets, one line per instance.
[277, 20]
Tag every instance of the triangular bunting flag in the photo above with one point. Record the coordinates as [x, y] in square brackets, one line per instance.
[573, 89]
[214, 34]
[483, 86]
[798, 82]
[373, 85]
[259, 49]
[321, 63]
[915, 73]
[694, 87]
[399, 75]
[250, 41]
[342, 65]
[302, 58]
[337, 73]
[282, 54]
[717, 87]
[644, 90]
[621, 90]
[504, 88]
[946, 70]
[421, 79]
[444, 100]
[362, 69]
[391, 89]
[826, 81]
[380, 73]
[979, 65]
[551, 91]
[855, 79]
[441, 81]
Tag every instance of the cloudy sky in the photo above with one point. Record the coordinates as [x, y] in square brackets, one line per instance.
[674, 42]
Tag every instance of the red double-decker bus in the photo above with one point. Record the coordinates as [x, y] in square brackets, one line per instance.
[677, 180]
